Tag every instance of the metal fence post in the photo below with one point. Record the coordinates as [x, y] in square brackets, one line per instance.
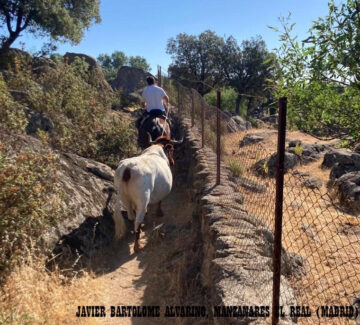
[178, 99]
[192, 109]
[218, 135]
[202, 123]
[159, 75]
[279, 209]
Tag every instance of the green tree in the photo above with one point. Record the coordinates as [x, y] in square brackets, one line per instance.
[228, 98]
[196, 60]
[139, 62]
[321, 75]
[112, 63]
[62, 20]
[248, 69]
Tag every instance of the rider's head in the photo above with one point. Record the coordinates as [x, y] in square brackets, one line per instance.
[150, 80]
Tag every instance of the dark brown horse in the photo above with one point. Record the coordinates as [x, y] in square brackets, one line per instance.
[155, 125]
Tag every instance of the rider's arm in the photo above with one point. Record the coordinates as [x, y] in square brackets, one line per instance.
[166, 100]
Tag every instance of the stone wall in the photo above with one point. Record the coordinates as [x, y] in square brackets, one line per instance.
[237, 247]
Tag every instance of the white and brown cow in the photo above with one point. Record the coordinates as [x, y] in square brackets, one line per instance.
[140, 181]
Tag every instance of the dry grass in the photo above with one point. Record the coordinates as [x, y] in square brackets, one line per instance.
[313, 227]
[31, 295]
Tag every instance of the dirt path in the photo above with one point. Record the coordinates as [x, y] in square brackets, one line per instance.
[155, 276]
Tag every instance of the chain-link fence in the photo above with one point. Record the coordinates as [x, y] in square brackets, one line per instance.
[321, 240]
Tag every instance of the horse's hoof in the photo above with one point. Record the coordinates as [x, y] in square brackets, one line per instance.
[137, 247]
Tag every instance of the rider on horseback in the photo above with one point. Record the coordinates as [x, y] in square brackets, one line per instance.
[154, 99]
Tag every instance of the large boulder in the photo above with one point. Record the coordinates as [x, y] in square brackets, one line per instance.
[93, 66]
[237, 123]
[253, 138]
[267, 166]
[341, 162]
[337, 156]
[307, 152]
[87, 193]
[130, 79]
[348, 189]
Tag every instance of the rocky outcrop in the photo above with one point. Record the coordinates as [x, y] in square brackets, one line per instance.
[338, 156]
[307, 152]
[237, 123]
[348, 190]
[341, 162]
[130, 79]
[93, 66]
[86, 186]
[267, 166]
[253, 138]
[312, 183]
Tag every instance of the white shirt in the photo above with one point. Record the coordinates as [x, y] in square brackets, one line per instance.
[153, 96]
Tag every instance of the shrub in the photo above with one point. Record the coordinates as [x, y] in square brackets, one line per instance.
[73, 98]
[236, 168]
[11, 114]
[298, 149]
[29, 202]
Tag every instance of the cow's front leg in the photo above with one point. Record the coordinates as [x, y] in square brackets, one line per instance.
[159, 212]
[137, 245]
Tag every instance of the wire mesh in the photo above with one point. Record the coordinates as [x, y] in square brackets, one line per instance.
[321, 240]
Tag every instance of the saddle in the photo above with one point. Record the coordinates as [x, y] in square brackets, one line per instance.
[147, 124]
[149, 117]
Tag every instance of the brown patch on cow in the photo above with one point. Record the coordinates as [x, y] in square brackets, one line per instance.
[126, 175]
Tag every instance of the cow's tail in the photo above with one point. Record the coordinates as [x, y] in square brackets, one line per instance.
[126, 175]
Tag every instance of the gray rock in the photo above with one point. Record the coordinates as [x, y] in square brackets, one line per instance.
[337, 156]
[255, 137]
[130, 79]
[39, 122]
[239, 120]
[300, 174]
[312, 183]
[85, 196]
[348, 189]
[250, 185]
[251, 139]
[42, 65]
[232, 126]
[357, 148]
[340, 169]
[267, 166]
[309, 152]
[294, 143]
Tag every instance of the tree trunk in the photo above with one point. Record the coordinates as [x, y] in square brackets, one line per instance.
[249, 106]
[5, 46]
[237, 107]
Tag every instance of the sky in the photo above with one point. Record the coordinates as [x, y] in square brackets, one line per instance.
[143, 27]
